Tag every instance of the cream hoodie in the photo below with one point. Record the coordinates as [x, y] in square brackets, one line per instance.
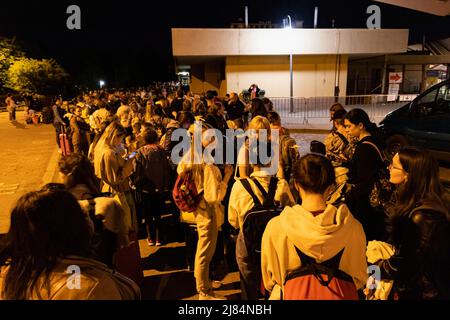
[320, 237]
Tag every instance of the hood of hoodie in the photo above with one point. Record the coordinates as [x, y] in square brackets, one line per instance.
[321, 236]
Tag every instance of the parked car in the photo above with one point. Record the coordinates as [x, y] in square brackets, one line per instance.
[424, 122]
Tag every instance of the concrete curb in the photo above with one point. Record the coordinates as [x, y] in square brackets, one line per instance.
[52, 168]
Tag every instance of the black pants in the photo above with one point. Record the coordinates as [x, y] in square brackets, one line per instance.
[103, 246]
[153, 205]
[373, 220]
[81, 148]
[58, 129]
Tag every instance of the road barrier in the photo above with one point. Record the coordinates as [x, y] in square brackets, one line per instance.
[305, 109]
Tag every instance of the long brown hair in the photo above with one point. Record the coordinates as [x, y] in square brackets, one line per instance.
[79, 170]
[422, 185]
[46, 226]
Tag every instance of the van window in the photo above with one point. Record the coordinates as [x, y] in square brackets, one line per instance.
[443, 99]
[435, 102]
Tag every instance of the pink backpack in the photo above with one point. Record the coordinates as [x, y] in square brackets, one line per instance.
[319, 281]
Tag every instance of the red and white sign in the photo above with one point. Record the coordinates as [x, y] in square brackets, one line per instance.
[395, 77]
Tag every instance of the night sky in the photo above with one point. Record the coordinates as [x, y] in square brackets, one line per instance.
[128, 43]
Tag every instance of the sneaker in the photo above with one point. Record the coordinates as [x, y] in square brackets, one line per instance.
[210, 296]
[216, 284]
[158, 244]
[150, 242]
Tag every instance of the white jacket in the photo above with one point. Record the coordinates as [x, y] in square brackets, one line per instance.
[320, 237]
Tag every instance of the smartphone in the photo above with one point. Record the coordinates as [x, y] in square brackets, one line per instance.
[132, 155]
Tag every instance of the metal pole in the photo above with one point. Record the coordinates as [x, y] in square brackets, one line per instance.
[383, 80]
[316, 14]
[291, 104]
[246, 17]
[292, 84]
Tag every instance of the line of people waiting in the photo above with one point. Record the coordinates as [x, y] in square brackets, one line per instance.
[324, 215]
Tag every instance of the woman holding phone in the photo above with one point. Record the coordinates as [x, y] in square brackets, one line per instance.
[114, 167]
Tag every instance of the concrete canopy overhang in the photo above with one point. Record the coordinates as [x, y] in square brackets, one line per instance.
[261, 42]
[402, 59]
[436, 7]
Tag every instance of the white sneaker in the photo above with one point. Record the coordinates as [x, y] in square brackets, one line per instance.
[210, 296]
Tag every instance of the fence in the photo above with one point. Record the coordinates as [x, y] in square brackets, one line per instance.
[304, 109]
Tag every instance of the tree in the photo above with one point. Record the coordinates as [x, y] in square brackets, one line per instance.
[30, 76]
[9, 51]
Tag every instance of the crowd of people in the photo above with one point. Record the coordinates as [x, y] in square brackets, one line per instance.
[314, 224]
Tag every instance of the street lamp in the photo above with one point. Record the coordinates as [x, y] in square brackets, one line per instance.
[291, 102]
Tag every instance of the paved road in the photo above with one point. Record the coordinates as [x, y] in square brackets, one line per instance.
[304, 140]
[28, 155]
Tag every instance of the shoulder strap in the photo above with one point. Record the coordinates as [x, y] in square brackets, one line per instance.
[376, 148]
[269, 196]
[260, 187]
[331, 263]
[305, 260]
[334, 262]
[248, 187]
[343, 138]
[270, 200]
[314, 267]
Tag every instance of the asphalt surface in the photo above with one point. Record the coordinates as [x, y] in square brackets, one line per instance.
[28, 156]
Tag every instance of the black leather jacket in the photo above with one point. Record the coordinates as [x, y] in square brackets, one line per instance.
[420, 265]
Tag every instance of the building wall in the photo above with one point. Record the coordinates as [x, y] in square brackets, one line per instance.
[314, 76]
[199, 86]
[208, 76]
[365, 76]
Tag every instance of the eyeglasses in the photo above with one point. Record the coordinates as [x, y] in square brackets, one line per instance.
[390, 167]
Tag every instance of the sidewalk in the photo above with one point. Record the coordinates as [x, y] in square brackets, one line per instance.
[298, 124]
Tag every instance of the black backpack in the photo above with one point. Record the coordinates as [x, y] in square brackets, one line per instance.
[257, 218]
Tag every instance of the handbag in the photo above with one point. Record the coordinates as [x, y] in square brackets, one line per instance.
[382, 189]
